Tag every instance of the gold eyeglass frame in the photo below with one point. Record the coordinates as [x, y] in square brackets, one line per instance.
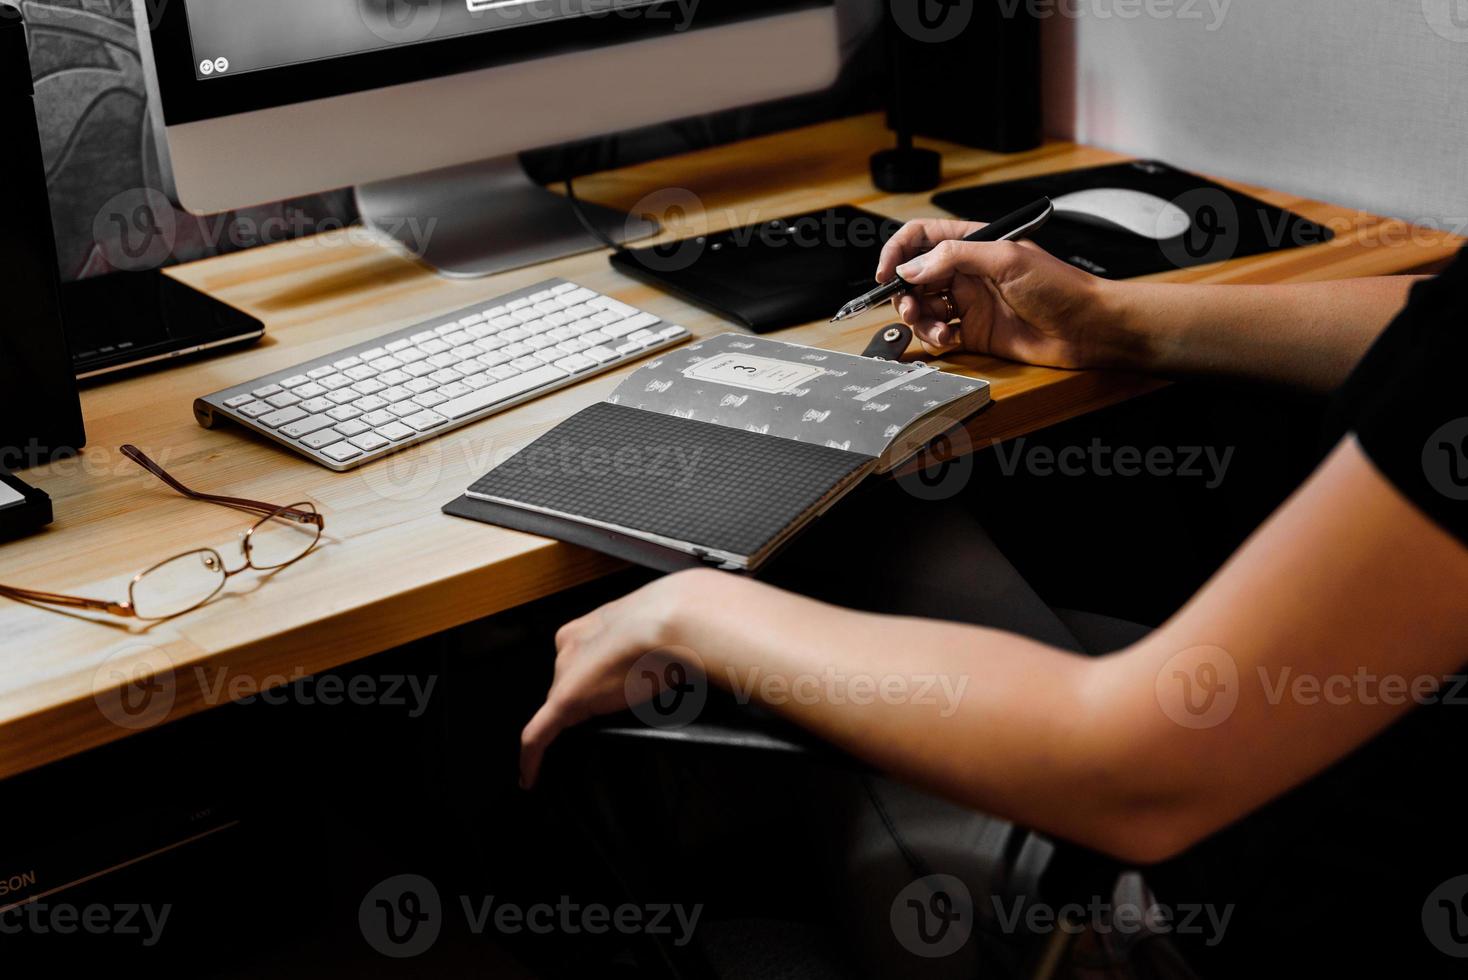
[303, 512]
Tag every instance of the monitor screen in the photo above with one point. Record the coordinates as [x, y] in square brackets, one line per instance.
[229, 37]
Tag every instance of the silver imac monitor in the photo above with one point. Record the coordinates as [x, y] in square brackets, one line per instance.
[422, 105]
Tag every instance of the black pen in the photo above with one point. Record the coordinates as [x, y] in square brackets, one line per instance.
[1025, 221]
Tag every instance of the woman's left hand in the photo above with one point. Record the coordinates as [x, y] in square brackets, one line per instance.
[594, 655]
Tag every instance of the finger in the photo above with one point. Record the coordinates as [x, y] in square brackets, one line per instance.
[996, 261]
[908, 307]
[535, 738]
[917, 237]
[936, 335]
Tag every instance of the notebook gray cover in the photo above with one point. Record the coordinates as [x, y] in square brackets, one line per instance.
[718, 488]
[811, 395]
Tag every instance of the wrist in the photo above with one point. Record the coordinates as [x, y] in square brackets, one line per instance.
[1121, 330]
[691, 598]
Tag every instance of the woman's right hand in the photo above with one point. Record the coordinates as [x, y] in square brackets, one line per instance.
[1010, 299]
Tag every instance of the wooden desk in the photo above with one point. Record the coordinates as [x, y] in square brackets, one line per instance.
[393, 568]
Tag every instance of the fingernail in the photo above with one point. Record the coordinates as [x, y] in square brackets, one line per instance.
[943, 335]
[909, 269]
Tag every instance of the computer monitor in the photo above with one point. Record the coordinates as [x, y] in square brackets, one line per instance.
[421, 105]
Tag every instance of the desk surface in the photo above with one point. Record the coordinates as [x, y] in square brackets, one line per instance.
[393, 568]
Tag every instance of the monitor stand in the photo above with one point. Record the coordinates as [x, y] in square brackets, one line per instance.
[486, 217]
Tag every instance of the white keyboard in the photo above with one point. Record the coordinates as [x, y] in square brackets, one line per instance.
[362, 402]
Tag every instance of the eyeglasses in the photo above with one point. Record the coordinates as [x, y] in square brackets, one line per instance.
[283, 536]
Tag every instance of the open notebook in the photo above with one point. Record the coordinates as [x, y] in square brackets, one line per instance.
[721, 450]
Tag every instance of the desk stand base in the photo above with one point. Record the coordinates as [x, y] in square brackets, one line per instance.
[486, 217]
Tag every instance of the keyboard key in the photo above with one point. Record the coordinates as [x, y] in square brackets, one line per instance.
[572, 346]
[506, 371]
[315, 405]
[625, 349]
[320, 372]
[595, 337]
[369, 387]
[353, 428]
[347, 362]
[575, 364]
[643, 337]
[578, 295]
[549, 356]
[525, 363]
[386, 364]
[517, 304]
[608, 317]
[360, 372]
[256, 409]
[343, 397]
[495, 311]
[420, 370]
[471, 320]
[401, 344]
[403, 409]
[480, 381]
[395, 394]
[434, 346]
[419, 385]
[379, 418]
[505, 322]
[412, 355]
[671, 331]
[369, 403]
[321, 439]
[368, 441]
[266, 391]
[372, 353]
[601, 355]
[452, 390]
[445, 376]
[283, 400]
[541, 296]
[307, 425]
[341, 452]
[294, 380]
[485, 397]
[456, 338]
[425, 420]
[525, 315]
[239, 401]
[513, 334]
[308, 390]
[393, 377]
[345, 413]
[396, 431]
[429, 399]
[471, 366]
[562, 289]
[613, 306]
[423, 335]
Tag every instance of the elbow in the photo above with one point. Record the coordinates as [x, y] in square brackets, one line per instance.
[1145, 836]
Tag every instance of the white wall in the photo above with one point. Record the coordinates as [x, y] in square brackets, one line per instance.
[1360, 102]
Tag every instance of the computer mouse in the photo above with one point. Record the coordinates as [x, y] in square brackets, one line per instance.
[1138, 212]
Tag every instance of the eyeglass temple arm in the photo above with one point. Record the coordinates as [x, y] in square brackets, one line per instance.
[238, 503]
[57, 599]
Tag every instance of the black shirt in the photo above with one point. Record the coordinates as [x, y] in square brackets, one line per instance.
[1352, 873]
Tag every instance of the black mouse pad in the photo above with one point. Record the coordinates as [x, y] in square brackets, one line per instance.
[1225, 224]
[770, 275]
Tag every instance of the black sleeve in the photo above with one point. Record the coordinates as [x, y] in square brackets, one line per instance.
[1407, 401]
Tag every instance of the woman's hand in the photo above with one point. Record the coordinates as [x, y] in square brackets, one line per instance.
[596, 653]
[1011, 299]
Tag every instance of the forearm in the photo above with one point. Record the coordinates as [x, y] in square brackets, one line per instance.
[1308, 335]
[987, 718]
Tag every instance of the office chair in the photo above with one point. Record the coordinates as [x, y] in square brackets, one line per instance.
[580, 775]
